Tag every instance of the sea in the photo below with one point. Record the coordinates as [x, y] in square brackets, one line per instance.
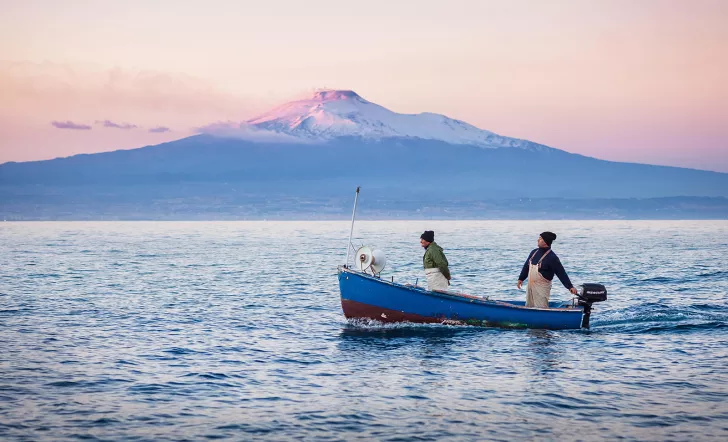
[176, 331]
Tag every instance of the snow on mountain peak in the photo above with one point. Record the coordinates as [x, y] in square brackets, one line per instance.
[331, 95]
[336, 113]
[329, 114]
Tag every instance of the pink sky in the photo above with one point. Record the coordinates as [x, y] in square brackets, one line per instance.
[629, 80]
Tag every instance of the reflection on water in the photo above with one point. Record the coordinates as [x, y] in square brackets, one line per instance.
[432, 338]
[543, 346]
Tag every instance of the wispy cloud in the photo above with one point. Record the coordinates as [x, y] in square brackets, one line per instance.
[159, 130]
[52, 88]
[111, 124]
[70, 125]
[245, 131]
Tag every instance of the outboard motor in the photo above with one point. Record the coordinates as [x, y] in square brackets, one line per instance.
[589, 294]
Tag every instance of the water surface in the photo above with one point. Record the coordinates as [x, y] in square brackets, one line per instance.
[188, 331]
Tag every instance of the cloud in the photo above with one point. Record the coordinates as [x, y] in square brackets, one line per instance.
[159, 130]
[70, 125]
[148, 98]
[111, 124]
[245, 131]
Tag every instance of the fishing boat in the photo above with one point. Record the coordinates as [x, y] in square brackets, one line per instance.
[366, 295]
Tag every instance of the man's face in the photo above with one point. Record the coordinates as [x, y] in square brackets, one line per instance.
[542, 243]
[424, 243]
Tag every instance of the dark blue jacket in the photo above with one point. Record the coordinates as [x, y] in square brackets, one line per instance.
[550, 266]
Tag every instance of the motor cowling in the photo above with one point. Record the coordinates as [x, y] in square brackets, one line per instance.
[593, 293]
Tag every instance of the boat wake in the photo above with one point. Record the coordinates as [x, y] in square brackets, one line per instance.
[656, 317]
[365, 323]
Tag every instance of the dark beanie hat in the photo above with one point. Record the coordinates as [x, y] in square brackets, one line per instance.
[548, 237]
[428, 236]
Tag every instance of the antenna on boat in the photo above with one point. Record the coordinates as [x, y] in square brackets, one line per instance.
[351, 232]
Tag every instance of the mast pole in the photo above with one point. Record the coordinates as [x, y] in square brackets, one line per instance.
[351, 232]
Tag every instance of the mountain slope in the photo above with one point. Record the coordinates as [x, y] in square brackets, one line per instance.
[399, 165]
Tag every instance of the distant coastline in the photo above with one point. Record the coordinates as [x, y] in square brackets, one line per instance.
[296, 208]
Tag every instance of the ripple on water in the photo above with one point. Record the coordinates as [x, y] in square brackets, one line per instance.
[165, 331]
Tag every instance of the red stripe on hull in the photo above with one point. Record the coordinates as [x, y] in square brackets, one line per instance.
[354, 309]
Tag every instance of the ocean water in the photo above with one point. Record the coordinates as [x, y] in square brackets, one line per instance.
[233, 330]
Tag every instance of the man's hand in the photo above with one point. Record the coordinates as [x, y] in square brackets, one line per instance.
[573, 291]
[519, 284]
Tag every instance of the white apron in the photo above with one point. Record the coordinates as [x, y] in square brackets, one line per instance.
[436, 280]
[539, 288]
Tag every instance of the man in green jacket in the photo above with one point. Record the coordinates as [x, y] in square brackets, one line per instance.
[436, 266]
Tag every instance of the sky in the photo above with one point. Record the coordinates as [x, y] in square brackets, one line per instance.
[639, 80]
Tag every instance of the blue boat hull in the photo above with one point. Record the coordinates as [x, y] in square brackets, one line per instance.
[368, 297]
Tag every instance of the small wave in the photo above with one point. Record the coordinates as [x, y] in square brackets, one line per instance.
[365, 323]
[657, 282]
[683, 327]
[297, 361]
[87, 383]
[712, 274]
[103, 422]
[148, 388]
[712, 308]
[180, 351]
[662, 279]
[657, 317]
[44, 275]
[209, 375]
[659, 311]
[65, 384]
[233, 427]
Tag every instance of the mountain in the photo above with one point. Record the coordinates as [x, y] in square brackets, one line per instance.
[303, 160]
[334, 114]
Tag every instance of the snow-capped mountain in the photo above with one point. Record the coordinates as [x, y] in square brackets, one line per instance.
[307, 155]
[330, 114]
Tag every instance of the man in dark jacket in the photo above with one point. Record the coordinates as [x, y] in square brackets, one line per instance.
[540, 267]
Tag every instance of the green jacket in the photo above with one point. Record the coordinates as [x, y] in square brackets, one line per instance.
[435, 258]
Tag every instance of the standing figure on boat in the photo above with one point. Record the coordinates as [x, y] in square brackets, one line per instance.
[540, 268]
[435, 262]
